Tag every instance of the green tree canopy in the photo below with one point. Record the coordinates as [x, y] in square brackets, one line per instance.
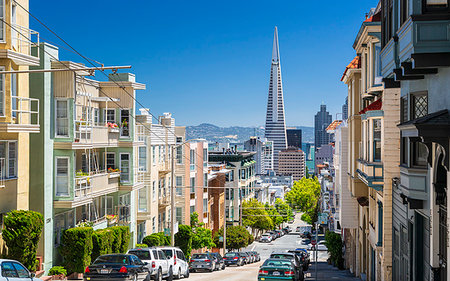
[201, 237]
[237, 237]
[284, 210]
[254, 215]
[304, 195]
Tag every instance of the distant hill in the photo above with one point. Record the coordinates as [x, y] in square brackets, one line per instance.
[235, 134]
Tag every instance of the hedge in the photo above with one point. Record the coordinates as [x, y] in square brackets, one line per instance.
[151, 240]
[183, 239]
[121, 239]
[21, 234]
[76, 248]
[102, 242]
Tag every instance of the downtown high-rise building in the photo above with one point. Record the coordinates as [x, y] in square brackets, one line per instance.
[321, 122]
[345, 109]
[275, 122]
[294, 137]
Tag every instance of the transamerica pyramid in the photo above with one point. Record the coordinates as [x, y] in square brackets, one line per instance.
[275, 122]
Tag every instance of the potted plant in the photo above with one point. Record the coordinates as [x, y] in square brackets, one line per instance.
[58, 273]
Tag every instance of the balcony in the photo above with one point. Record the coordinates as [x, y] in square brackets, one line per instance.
[89, 186]
[139, 178]
[371, 174]
[163, 201]
[24, 116]
[88, 135]
[22, 41]
[164, 168]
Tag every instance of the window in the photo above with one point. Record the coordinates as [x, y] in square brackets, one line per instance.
[124, 167]
[404, 109]
[62, 176]
[435, 6]
[96, 116]
[419, 154]
[154, 190]
[179, 215]
[8, 270]
[205, 157]
[192, 159]
[205, 205]
[110, 160]
[8, 151]
[180, 154]
[160, 186]
[62, 118]
[109, 115]
[13, 94]
[21, 271]
[154, 155]
[124, 123]
[192, 185]
[404, 11]
[142, 199]
[376, 140]
[143, 158]
[2, 76]
[153, 225]
[404, 151]
[179, 184]
[192, 209]
[386, 22]
[2, 17]
[419, 105]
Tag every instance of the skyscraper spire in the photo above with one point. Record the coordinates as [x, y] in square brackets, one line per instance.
[275, 122]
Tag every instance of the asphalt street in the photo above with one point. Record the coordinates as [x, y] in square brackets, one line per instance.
[250, 272]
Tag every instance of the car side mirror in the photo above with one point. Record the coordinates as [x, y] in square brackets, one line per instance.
[32, 275]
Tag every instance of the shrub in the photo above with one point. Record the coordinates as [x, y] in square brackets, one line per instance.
[250, 238]
[121, 239]
[102, 243]
[237, 237]
[163, 239]
[141, 245]
[183, 239]
[76, 248]
[152, 240]
[57, 270]
[21, 234]
[334, 244]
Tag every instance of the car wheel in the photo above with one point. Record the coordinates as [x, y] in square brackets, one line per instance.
[148, 277]
[223, 267]
[213, 267]
[179, 274]
[170, 277]
[187, 273]
[159, 275]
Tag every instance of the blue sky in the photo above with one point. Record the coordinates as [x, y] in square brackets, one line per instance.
[209, 61]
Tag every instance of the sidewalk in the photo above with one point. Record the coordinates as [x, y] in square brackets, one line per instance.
[327, 272]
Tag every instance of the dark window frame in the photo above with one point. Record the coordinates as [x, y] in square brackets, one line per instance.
[387, 23]
[404, 11]
[429, 9]
[412, 108]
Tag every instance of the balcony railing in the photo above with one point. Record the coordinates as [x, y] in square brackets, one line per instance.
[25, 110]
[371, 173]
[95, 183]
[23, 39]
[124, 214]
[83, 187]
[2, 172]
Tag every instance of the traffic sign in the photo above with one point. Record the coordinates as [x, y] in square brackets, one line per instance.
[323, 218]
[313, 242]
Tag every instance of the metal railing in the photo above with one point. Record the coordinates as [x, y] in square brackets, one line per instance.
[2, 172]
[82, 187]
[25, 111]
[23, 39]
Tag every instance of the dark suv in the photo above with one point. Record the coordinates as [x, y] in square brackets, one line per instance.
[220, 263]
[246, 257]
[290, 256]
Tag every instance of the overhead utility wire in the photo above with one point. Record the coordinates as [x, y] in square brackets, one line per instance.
[92, 84]
[88, 60]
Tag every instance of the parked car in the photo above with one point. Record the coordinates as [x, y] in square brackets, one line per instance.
[279, 232]
[203, 261]
[290, 256]
[116, 267]
[257, 256]
[245, 256]
[265, 238]
[177, 260]
[279, 269]
[252, 257]
[233, 258]
[303, 256]
[157, 263]
[306, 241]
[306, 234]
[15, 271]
[220, 264]
[273, 234]
[320, 246]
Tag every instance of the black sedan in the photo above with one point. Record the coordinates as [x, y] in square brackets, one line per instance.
[117, 267]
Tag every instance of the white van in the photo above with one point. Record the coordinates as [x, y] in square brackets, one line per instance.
[177, 260]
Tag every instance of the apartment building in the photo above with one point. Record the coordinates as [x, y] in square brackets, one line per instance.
[154, 159]
[291, 162]
[89, 146]
[19, 113]
[373, 149]
[415, 59]
[242, 179]
[264, 154]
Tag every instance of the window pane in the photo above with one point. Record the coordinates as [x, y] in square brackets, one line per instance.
[192, 185]
[420, 106]
[62, 176]
[124, 167]
[142, 158]
[21, 271]
[12, 159]
[8, 270]
[142, 199]
[437, 2]
[62, 120]
[420, 154]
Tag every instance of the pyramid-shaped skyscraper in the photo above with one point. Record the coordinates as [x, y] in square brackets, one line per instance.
[275, 122]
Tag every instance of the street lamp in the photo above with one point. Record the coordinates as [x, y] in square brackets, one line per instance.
[172, 190]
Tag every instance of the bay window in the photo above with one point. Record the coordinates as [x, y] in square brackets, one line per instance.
[124, 123]
[143, 158]
[62, 118]
[179, 184]
[376, 140]
[419, 154]
[62, 176]
[125, 167]
[142, 199]
[110, 160]
[179, 154]
[109, 115]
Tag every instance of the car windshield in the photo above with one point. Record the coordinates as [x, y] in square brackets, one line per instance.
[280, 256]
[281, 262]
[200, 256]
[231, 254]
[143, 255]
[168, 253]
[112, 259]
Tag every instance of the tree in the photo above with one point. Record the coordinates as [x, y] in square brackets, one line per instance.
[237, 237]
[334, 243]
[21, 233]
[201, 237]
[255, 216]
[304, 195]
[284, 210]
[274, 215]
[183, 239]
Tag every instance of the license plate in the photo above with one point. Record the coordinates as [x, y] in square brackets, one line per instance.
[276, 273]
[104, 271]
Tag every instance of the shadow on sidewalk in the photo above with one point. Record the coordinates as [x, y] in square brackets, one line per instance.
[326, 272]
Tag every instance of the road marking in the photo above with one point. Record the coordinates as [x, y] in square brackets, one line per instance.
[253, 247]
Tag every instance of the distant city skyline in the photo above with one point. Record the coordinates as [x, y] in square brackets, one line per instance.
[195, 61]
